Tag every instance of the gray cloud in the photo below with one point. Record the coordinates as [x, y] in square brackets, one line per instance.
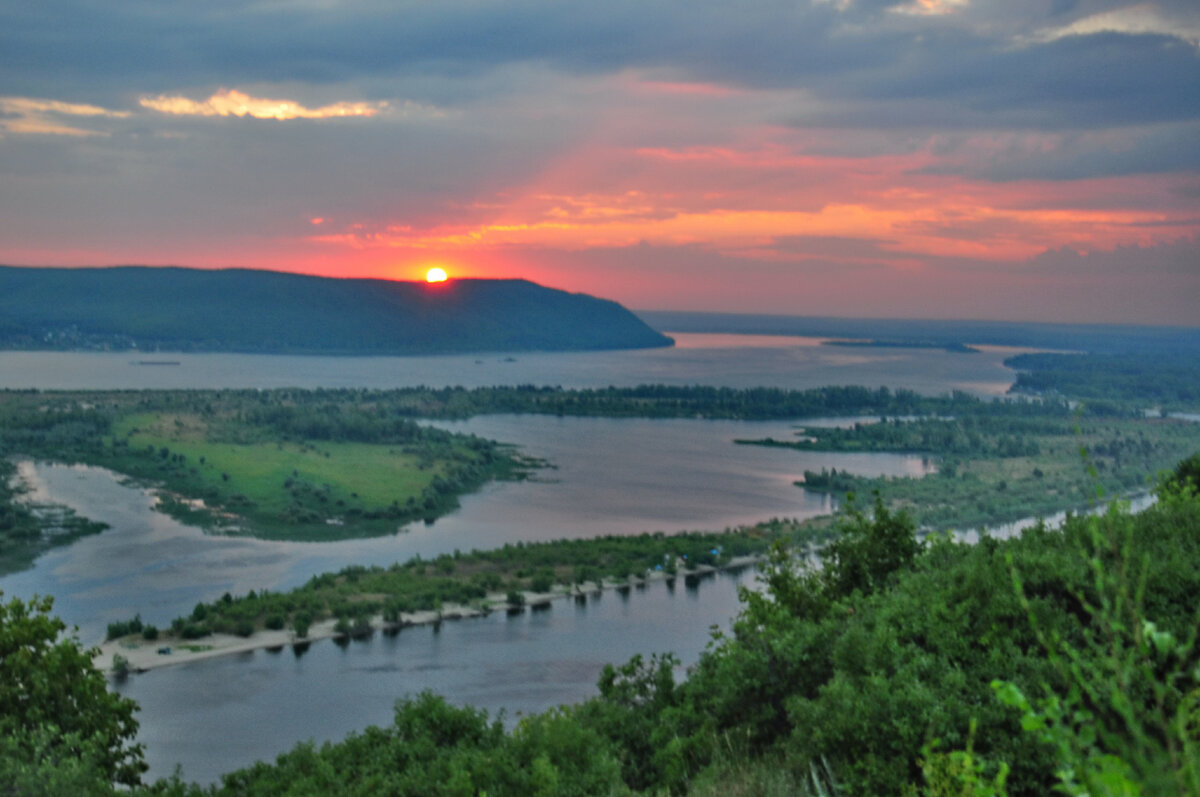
[1180, 258]
[1074, 154]
[873, 66]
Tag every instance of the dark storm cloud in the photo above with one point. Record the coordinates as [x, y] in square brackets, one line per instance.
[1074, 81]
[870, 65]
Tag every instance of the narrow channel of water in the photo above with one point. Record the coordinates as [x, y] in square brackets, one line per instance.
[215, 716]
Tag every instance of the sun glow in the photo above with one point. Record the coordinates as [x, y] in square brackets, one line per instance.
[435, 275]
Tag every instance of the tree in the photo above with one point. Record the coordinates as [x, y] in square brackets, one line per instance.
[55, 705]
[868, 551]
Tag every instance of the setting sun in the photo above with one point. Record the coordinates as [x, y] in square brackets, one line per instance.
[435, 275]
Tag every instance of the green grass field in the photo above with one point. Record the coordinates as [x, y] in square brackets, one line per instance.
[298, 490]
[361, 474]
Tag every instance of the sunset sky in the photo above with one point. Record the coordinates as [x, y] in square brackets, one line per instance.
[997, 159]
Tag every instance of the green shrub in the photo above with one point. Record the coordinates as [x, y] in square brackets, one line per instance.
[194, 630]
[300, 624]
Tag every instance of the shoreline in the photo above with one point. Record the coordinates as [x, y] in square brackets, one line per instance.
[143, 655]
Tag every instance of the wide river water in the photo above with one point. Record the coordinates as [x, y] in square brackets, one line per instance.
[609, 476]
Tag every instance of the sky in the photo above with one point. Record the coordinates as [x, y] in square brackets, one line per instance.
[982, 159]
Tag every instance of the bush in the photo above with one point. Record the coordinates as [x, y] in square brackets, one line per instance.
[300, 624]
[120, 629]
[150, 633]
[194, 630]
[275, 622]
[543, 581]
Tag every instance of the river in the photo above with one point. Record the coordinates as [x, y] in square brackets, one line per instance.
[610, 476]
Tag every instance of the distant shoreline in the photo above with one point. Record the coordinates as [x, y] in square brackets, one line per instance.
[953, 347]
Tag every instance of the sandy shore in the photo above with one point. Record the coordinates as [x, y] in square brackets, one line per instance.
[142, 655]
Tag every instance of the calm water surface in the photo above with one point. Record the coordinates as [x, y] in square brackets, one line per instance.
[212, 717]
[721, 360]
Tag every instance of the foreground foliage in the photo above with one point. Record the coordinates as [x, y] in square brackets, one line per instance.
[875, 674]
[1061, 660]
[61, 730]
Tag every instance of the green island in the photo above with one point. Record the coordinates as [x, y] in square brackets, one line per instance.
[334, 464]
[1148, 379]
[360, 599]
[1055, 661]
[993, 468]
[248, 462]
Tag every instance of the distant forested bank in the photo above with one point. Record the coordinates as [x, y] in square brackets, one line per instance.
[241, 310]
[1059, 660]
[1112, 381]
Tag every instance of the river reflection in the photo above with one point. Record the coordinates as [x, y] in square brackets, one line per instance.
[215, 716]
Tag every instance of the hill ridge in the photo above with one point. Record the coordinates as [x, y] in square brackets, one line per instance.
[251, 310]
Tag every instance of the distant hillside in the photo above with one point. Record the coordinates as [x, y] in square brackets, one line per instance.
[237, 310]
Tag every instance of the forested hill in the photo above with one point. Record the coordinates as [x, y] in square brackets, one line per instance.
[240, 310]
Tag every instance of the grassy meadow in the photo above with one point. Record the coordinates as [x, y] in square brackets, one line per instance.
[272, 478]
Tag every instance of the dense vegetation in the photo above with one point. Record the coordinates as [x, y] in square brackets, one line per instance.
[177, 309]
[1061, 658]
[61, 731]
[994, 468]
[1144, 380]
[669, 401]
